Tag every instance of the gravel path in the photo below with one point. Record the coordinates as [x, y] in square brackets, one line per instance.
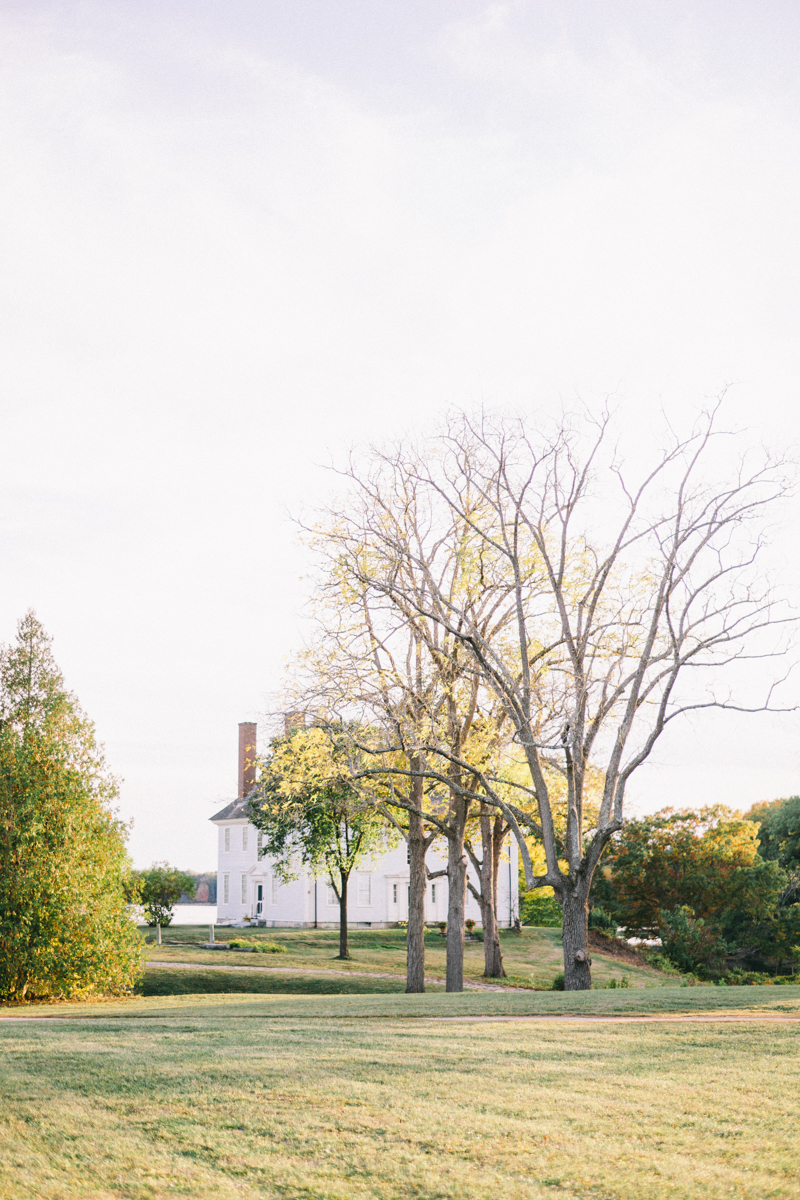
[190, 966]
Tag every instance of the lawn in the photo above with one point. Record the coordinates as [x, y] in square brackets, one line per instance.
[533, 958]
[175, 982]
[195, 1099]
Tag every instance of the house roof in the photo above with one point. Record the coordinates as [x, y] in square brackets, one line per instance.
[237, 809]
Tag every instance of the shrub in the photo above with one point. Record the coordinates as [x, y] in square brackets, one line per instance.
[600, 919]
[690, 944]
[257, 947]
[558, 983]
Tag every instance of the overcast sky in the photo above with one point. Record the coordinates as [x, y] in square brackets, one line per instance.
[238, 237]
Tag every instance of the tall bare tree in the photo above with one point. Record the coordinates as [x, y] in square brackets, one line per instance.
[404, 673]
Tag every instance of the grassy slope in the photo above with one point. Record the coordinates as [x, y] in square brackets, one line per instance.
[675, 1000]
[532, 958]
[211, 1106]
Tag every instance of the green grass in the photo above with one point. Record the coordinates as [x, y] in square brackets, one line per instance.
[198, 1101]
[172, 982]
[532, 958]
[602, 1003]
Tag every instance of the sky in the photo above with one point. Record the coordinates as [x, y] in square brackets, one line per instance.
[237, 239]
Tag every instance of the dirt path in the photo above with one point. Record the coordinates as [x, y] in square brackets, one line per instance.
[634, 1018]
[468, 986]
[620, 1019]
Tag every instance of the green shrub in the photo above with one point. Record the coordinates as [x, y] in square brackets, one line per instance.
[600, 919]
[655, 958]
[690, 944]
[558, 983]
[257, 947]
[744, 978]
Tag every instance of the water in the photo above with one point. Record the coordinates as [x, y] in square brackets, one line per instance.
[190, 914]
[194, 914]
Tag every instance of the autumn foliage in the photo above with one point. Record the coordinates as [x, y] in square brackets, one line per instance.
[65, 930]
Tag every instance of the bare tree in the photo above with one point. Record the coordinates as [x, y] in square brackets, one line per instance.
[586, 595]
[406, 675]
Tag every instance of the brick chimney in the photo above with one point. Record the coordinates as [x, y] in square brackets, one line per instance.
[247, 758]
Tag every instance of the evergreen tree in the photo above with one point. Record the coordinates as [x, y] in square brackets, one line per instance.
[65, 930]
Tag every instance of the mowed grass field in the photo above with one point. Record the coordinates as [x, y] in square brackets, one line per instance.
[532, 959]
[329, 1086]
[339, 1097]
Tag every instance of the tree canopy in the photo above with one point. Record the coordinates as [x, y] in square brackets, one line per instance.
[159, 889]
[309, 813]
[65, 928]
[779, 831]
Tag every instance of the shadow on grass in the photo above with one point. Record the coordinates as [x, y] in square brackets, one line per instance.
[159, 982]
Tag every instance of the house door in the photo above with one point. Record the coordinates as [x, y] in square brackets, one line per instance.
[259, 899]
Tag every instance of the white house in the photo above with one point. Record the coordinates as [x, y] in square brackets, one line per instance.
[377, 896]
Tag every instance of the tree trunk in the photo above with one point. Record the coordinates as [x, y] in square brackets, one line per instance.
[415, 961]
[344, 945]
[492, 954]
[575, 933]
[457, 883]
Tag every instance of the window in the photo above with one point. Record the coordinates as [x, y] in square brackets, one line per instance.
[225, 888]
[244, 889]
[260, 842]
[394, 893]
[364, 889]
[330, 896]
[244, 837]
[227, 838]
[275, 886]
[433, 893]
